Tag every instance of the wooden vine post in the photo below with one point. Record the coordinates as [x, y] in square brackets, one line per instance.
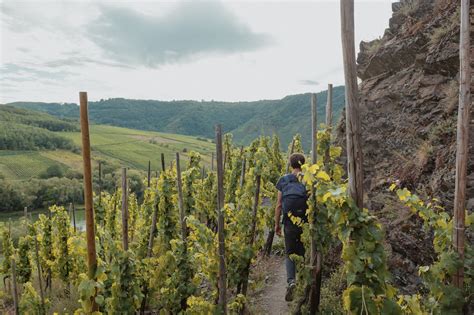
[40, 276]
[88, 204]
[124, 209]
[329, 106]
[315, 259]
[353, 132]
[163, 166]
[292, 150]
[149, 174]
[328, 123]
[180, 199]
[15, 287]
[242, 173]
[212, 162]
[100, 182]
[74, 216]
[222, 280]
[462, 140]
[252, 233]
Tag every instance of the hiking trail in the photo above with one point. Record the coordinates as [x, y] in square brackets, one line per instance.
[272, 298]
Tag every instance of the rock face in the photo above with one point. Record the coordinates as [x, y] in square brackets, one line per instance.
[408, 100]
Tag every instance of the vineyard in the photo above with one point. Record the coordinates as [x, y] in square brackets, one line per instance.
[23, 165]
[163, 255]
[193, 243]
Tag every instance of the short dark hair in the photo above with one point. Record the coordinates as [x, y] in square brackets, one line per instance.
[296, 160]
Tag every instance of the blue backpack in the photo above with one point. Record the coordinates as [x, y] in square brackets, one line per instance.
[294, 198]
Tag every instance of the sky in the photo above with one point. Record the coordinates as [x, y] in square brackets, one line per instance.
[174, 50]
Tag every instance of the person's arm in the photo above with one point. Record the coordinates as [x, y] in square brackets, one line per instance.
[278, 215]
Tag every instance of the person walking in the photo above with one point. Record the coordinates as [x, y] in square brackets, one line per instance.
[291, 205]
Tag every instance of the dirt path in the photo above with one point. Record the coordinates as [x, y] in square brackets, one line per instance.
[271, 299]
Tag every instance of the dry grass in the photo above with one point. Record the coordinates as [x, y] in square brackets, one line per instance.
[452, 97]
[374, 46]
[409, 7]
[442, 31]
[423, 154]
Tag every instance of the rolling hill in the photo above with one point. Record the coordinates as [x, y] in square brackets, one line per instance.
[114, 145]
[245, 120]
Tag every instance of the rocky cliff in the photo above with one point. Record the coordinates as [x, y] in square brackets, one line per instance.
[408, 99]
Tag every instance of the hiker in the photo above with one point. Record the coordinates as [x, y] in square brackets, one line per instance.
[292, 197]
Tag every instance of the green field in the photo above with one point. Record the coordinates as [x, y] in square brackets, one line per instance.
[24, 164]
[122, 146]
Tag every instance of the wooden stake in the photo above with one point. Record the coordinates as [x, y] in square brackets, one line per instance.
[40, 277]
[462, 140]
[74, 217]
[329, 106]
[15, 288]
[289, 154]
[149, 173]
[314, 292]
[89, 210]
[242, 174]
[163, 166]
[314, 129]
[353, 132]
[152, 230]
[252, 233]
[222, 281]
[100, 182]
[148, 254]
[328, 124]
[124, 209]
[25, 212]
[212, 162]
[180, 199]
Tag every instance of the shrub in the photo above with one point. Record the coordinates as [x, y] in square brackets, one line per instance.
[52, 171]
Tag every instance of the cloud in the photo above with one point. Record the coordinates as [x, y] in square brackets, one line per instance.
[308, 82]
[21, 73]
[189, 30]
[76, 61]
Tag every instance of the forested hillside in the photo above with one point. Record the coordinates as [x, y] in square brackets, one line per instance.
[27, 130]
[245, 120]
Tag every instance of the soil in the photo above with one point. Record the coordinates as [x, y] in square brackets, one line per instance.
[271, 299]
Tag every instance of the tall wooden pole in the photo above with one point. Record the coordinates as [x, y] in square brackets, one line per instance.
[252, 234]
[242, 174]
[74, 217]
[329, 106]
[462, 141]
[152, 230]
[15, 286]
[180, 199]
[163, 166]
[328, 124]
[88, 204]
[314, 129]
[222, 282]
[353, 132]
[124, 209]
[149, 173]
[100, 182]
[289, 154]
[212, 162]
[315, 260]
[40, 276]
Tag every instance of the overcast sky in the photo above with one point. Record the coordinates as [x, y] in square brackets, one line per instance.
[221, 50]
